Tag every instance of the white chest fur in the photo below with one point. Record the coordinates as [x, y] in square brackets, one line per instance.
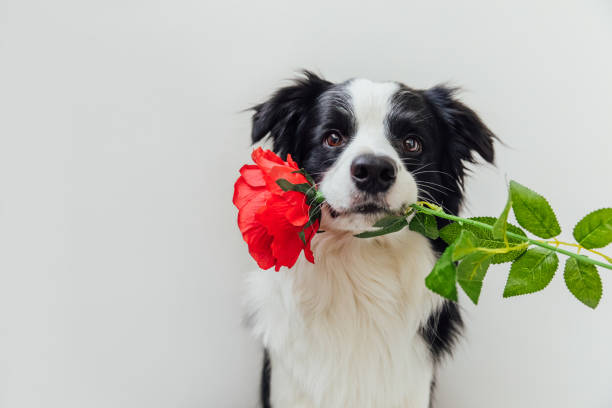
[344, 332]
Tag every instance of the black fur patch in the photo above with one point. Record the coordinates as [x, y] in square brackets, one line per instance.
[264, 390]
[442, 330]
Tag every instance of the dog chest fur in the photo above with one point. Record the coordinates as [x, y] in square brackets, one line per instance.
[345, 331]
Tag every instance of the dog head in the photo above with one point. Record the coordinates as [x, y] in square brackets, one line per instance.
[374, 147]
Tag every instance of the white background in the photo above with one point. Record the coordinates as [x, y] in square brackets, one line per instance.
[121, 136]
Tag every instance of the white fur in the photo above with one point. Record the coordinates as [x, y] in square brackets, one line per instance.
[370, 105]
[344, 332]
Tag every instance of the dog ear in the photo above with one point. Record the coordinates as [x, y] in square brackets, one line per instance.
[467, 134]
[283, 114]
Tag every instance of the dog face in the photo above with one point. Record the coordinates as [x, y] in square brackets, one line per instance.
[374, 147]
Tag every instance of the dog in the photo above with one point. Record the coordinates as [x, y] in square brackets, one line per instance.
[358, 328]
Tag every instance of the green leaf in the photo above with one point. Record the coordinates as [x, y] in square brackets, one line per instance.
[582, 279]
[425, 224]
[302, 237]
[464, 245]
[305, 174]
[388, 220]
[485, 237]
[471, 272]
[443, 277]
[314, 212]
[532, 272]
[304, 188]
[317, 198]
[533, 212]
[499, 228]
[401, 223]
[595, 230]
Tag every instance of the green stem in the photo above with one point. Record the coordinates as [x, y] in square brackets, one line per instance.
[510, 234]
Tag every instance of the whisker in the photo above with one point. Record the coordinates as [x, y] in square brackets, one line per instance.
[432, 171]
[434, 184]
[429, 198]
[430, 193]
[424, 188]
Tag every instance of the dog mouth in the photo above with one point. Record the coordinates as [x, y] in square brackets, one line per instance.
[363, 208]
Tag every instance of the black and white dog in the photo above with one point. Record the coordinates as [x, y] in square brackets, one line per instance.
[359, 328]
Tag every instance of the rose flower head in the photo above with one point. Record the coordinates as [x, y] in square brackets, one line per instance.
[278, 211]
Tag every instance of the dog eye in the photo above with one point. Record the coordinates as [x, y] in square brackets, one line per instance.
[412, 145]
[333, 139]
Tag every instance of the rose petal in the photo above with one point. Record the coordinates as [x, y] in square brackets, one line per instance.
[247, 214]
[244, 193]
[291, 163]
[260, 247]
[265, 159]
[310, 233]
[296, 208]
[282, 172]
[287, 245]
[253, 175]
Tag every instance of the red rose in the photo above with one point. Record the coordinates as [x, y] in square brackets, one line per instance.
[276, 224]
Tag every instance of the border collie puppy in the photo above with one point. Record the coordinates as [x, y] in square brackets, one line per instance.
[358, 328]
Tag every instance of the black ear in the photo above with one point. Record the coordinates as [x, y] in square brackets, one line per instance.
[466, 132]
[284, 113]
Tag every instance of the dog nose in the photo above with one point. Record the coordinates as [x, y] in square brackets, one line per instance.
[373, 174]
